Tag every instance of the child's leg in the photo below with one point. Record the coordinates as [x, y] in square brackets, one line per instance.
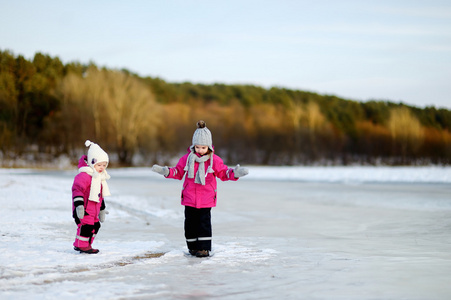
[84, 235]
[96, 230]
[191, 221]
[204, 229]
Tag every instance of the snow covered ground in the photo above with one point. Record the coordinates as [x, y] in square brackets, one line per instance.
[280, 232]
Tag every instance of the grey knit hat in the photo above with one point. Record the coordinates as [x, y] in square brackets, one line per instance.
[202, 136]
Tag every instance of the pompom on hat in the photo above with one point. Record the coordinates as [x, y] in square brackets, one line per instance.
[202, 136]
[95, 154]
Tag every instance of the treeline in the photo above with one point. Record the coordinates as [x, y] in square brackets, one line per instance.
[48, 109]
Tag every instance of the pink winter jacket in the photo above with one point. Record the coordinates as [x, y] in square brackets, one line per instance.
[198, 195]
[81, 188]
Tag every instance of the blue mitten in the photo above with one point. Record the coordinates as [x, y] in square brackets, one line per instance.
[161, 170]
[240, 171]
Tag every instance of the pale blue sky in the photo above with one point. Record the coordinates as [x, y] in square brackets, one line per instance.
[360, 50]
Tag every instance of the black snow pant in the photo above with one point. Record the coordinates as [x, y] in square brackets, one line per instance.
[198, 228]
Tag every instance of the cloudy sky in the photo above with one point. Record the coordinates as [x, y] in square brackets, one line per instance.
[395, 50]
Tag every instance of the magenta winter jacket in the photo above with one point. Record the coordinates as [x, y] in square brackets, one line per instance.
[197, 195]
[82, 187]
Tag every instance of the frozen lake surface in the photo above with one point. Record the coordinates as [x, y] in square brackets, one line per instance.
[281, 232]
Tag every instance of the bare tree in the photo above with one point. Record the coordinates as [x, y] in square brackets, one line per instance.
[406, 131]
[118, 108]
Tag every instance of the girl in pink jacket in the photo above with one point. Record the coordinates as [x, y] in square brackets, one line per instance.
[88, 192]
[199, 188]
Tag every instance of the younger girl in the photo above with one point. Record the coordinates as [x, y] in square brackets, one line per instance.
[199, 187]
[88, 190]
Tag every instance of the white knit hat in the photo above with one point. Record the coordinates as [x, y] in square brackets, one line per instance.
[95, 154]
[202, 136]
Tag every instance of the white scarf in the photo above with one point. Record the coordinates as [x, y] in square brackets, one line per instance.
[98, 180]
[200, 177]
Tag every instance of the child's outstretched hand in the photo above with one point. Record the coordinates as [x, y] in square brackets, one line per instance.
[161, 170]
[240, 171]
[102, 215]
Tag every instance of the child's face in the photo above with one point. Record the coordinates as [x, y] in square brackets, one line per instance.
[99, 167]
[201, 149]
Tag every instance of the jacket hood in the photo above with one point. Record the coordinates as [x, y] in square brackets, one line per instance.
[82, 162]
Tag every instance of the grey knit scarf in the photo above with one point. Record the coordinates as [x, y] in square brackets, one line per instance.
[200, 175]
